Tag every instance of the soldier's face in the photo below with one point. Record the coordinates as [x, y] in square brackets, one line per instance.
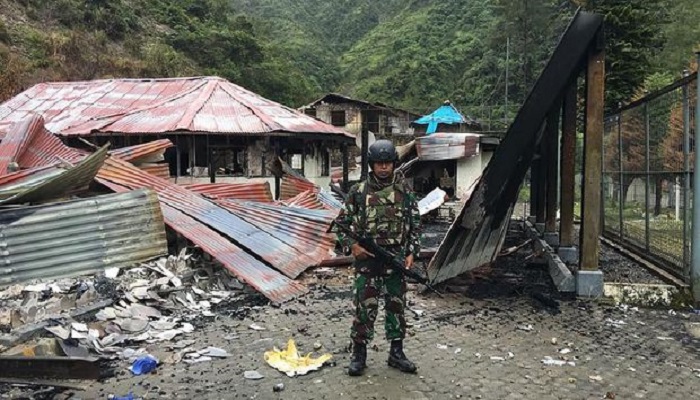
[383, 169]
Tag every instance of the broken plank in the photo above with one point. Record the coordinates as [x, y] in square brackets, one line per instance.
[42, 382]
[51, 367]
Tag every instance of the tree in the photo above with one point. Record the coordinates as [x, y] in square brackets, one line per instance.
[682, 33]
[633, 38]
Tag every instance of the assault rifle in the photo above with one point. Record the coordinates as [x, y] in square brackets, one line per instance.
[385, 255]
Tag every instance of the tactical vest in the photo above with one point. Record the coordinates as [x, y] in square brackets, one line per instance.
[384, 214]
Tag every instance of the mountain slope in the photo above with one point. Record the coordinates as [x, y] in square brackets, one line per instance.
[91, 39]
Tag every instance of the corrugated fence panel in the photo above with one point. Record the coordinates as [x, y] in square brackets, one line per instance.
[81, 236]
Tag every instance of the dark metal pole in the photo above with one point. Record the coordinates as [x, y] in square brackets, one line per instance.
[568, 167]
[695, 263]
[364, 131]
[648, 174]
[622, 176]
[540, 212]
[686, 172]
[602, 180]
[551, 141]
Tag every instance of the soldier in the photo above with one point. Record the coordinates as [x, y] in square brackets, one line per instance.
[384, 208]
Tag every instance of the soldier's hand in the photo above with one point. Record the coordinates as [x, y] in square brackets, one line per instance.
[360, 252]
[409, 261]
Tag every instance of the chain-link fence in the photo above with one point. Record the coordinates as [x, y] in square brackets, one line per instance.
[648, 152]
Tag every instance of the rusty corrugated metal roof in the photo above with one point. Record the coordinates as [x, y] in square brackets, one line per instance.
[148, 152]
[17, 182]
[306, 199]
[291, 186]
[155, 106]
[256, 191]
[302, 228]
[242, 265]
[30, 145]
[159, 170]
[315, 199]
[67, 181]
[271, 283]
[79, 237]
[280, 255]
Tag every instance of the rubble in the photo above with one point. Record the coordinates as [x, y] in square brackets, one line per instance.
[266, 248]
[254, 375]
[152, 303]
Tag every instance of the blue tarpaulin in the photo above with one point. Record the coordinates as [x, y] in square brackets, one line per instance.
[445, 114]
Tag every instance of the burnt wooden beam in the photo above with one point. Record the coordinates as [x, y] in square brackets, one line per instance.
[478, 234]
[592, 160]
[51, 367]
[551, 142]
[346, 170]
[541, 195]
[534, 182]
[568, 167]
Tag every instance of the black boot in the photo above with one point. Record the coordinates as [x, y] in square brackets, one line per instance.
[397, 358]
[358, 363]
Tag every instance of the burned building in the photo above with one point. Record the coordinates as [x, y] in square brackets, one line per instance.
[358, 116]
[221, 131]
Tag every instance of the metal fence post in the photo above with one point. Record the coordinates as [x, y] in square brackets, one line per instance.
[695, 267]
[622, 177]
[648, 175]
[602, 178]
[686, 174]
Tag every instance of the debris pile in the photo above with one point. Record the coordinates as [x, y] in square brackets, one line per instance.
[263, 243]
[160, 301]
[85, 280]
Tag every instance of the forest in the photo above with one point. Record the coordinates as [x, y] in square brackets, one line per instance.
[411, 54]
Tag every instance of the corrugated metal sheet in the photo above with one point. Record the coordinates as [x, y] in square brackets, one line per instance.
[80, 237]
[291, 186]
[315, 199]
[160, 170]
[255, 191]
[149, 152]
[280, 255]
[154, 106]
[13, 144]
[330, 200]
[307, 199]
[22, 181]
[299, 227]
[447, 146]
[242, 265]
[29, 144]
[67, 181]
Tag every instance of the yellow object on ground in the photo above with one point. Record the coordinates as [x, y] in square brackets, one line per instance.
[289, 361]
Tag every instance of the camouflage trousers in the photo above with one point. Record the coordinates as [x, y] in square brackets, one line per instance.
[370, 283]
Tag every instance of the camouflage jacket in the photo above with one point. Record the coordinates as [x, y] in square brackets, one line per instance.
[386, 212]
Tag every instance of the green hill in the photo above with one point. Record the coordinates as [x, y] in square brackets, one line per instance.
[409, 53]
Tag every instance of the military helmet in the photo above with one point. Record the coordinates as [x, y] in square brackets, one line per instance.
[382, 150]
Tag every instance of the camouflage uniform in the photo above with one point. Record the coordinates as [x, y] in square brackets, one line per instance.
[387, 212]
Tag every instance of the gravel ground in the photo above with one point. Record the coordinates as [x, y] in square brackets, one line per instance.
[486, 339]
